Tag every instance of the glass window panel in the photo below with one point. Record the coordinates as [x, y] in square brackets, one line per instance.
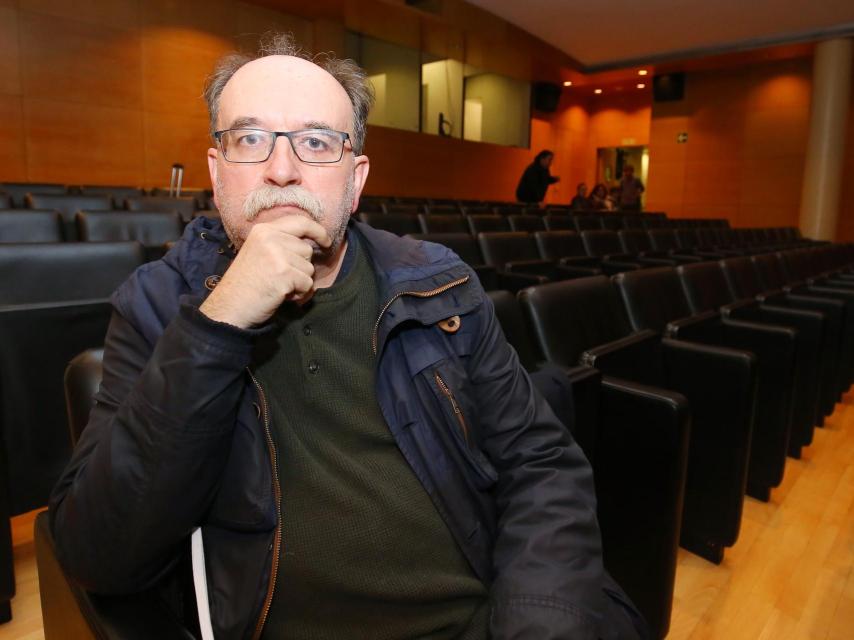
[497, 109]
[442, 97]
[395, 73]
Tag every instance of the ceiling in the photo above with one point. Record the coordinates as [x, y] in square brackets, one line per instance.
[612, 34]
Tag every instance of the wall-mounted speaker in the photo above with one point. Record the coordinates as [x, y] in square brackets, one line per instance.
[668, 87]
[545, 96]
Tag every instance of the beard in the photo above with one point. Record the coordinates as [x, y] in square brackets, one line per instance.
[268, 196]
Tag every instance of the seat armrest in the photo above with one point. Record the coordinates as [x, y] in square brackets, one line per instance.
[514, 282]
[567, 272]
[626, 357]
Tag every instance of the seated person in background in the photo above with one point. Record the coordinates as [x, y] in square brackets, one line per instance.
[630, 190]
[599, 198]
[580, 202]
[536, 179]
[613, 199]
[334, 407]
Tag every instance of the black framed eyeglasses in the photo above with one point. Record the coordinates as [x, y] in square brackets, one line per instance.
[313, 146]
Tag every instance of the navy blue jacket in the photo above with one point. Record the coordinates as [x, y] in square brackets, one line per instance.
[179, 437]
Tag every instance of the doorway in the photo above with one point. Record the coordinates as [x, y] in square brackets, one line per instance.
[611, 160]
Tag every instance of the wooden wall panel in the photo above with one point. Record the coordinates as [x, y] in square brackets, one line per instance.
[70, 142]
[171, 138]
[13, 151]
[175, 69]
[10, 77]
[70, 60]
[845, 222]
[110, 13]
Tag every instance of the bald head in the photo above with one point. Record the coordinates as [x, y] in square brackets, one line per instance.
[284, 93]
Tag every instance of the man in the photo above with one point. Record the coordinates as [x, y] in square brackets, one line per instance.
[335, 407]
[630, 190]
[536, 179]
[580, 202]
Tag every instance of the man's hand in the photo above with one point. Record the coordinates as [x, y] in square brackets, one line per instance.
[273, 265]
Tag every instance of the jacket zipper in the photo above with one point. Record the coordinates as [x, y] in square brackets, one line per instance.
[417, 294]
[277, 492]
[457, 412]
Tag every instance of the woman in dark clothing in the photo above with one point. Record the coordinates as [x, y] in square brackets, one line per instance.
[536, 179]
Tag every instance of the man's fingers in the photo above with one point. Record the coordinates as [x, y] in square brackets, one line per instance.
[302, 227]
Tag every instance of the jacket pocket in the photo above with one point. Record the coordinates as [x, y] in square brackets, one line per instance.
[462, 434]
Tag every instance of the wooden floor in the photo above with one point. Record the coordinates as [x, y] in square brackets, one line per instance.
[790, 576]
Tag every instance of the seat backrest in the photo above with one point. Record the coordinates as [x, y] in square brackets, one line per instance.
[408, 208]
[559, 222]
[18, 191]
[601, 243]
[463, 244]
[500, 247]
[53, 272]
[632, 222]
[183, 206]
[443, 223]
[705, 286]
[662, 239]
[769, 270]
[652, 222]
[444, 209]
[583, 223]
[513, 323]
[652, 297]
[22, 225]
[554, 245]
[472, 209]
[371, 205]
[610, 222]
[117, 193]
[149, 229]
[527, 223]
[741, 277]
[634, 241]
[68, 205]
[487, 223]
[5, 201]
[571, 316]
[686, 238]
[82, 379]
[399, 223]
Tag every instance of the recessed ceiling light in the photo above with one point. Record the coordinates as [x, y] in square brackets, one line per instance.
[597, 90]
[642, 72]
[641, 85]
[567, 83]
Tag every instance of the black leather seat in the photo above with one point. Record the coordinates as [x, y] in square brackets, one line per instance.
[635, 419]
[664, 241]
[151, 230]
[706, 288]
[442, 223]
[558, 222]
[636, 243]
[610, 222]
[68, 610]
[566, 248]
[636, 440]
[117, 193]
[744, 283]
[605, 245]
[586, 222]
[5, 201]
[516, 252]
[444, 209]
[54, 306]
[399, 223]
[183, 206]
[527, 223]
[406, 208]
[18, 191]
[487, 223]
[655, 299]
[596, 329]
[19, 225]
[68, 206]
[466, 247]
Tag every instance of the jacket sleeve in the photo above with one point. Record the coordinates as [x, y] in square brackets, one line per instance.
[147, 464]
[547, 558]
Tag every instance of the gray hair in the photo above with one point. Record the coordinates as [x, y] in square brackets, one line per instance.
[349, 75]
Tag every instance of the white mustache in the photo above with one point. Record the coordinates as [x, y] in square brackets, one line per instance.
[267, 197]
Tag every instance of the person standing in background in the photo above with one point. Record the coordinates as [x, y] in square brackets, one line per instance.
[536, 179]
[631, 189]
